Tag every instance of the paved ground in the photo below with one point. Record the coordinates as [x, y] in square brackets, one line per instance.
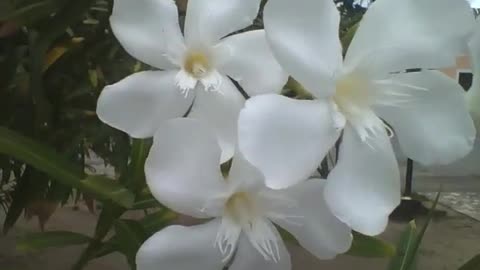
[449, 242]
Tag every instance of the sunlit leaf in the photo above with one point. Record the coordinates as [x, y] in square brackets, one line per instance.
[55, 53]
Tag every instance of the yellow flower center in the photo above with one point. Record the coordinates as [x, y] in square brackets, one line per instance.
[352, 94]
[197, 64]
[240, 208]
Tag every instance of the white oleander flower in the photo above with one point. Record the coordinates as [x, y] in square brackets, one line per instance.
[195, 66]
[183, 173]
[287, 139]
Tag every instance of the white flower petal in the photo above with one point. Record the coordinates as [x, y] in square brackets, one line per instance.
[243, 176]
[149, 31]
[473, 95]
[219, 110]
[208, 21]
[466, 166]
[310, 220]
[303, 35]
[364, 187]
[179, 247]
[285, 139]
[409, 37]
[183, 167]
[474, 3]
[248, 59]
[139, 103]
[433, 126]
[247, 257]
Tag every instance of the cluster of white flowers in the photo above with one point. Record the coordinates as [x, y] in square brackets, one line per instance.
[199, 119]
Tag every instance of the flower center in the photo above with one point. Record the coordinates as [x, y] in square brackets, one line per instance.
[242, 213]
[240, 208]
[352, 94]
[197, 64]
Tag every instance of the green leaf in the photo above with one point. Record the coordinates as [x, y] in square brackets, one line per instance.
[56, 166]
[404, 247]
[130, 233]
[107, 189]
[472, 264]
[145, 200]
[38, 241]
[139, 153]
[150, 224]
[129, 236]
[20, 197]
[110, 213]
[367, 246]
[31, 12]
[410, 243]
[298, 89]
[145, 204]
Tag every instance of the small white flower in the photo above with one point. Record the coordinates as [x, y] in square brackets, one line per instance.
[287, 139]
[195, 66]
[474, 3]
[362, 3]
[183, 173]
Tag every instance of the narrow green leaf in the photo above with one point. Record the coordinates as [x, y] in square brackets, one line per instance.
[472, 264]
[106, 248]
[110, 213]
[130, 233]
[107, 189]
[129, 236]
[139, 153]
[404, 247]
[30, 12]
[145, 200]
[145, 204]
[150, 224]
[20, 199]
[410, 243]
[38, 241]
[367, 246]
[56, 166]
[431, 213]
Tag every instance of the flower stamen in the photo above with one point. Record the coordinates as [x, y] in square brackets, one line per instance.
[197, 64]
